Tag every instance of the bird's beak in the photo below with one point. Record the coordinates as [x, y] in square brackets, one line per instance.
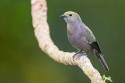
[63, 16]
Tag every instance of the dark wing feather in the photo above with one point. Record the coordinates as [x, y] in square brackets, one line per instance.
[97, 52]
[95, 45]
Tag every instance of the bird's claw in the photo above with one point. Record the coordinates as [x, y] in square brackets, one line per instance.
[78, 54]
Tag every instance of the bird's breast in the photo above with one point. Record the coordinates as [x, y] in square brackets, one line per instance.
[77, 40]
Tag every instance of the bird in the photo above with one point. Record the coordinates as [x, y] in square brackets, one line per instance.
[81, 37]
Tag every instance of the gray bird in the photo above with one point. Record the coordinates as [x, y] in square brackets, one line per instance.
[81, 37]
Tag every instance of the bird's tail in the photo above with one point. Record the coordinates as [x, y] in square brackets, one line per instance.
[103, 62]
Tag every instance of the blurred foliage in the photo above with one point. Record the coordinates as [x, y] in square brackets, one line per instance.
[22, 61]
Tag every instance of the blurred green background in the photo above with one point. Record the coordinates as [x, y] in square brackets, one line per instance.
[22, 61]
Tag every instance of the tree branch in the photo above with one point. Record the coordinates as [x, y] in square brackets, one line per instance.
[42, 33]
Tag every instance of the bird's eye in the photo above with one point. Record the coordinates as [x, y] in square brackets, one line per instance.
[70, 14]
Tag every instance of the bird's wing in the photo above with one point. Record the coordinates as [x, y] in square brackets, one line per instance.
[91, 38]
[95, 46]
[88, 34]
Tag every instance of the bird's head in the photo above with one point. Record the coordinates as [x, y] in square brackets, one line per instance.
[71, 17]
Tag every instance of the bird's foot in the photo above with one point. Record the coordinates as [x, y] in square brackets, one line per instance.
[79, 54]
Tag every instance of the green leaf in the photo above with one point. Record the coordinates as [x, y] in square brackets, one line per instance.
[107, 78]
